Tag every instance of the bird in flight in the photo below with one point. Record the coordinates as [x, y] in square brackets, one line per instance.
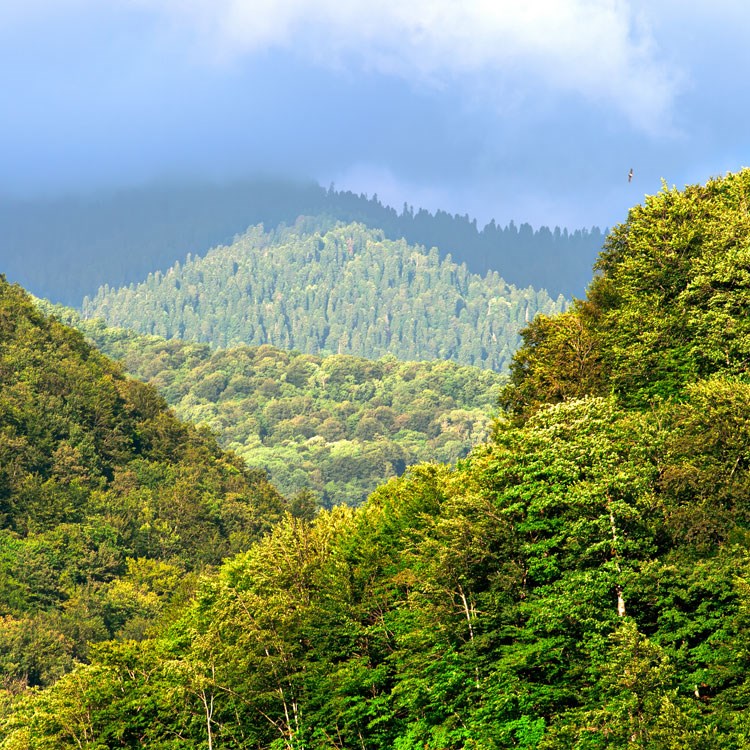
[630, 175]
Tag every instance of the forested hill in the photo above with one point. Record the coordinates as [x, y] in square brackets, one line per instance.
[579, 582]
[344, 290]
[109, 506]
[338, 425]
[65, 248]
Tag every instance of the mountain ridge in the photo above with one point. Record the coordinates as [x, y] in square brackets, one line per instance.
[65, 248]
[579, 582]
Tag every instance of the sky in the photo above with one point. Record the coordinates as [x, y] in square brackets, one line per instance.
[533, 112]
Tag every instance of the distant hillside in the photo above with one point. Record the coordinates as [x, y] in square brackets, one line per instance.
[336, 425]
[347, 290]
[65, 248]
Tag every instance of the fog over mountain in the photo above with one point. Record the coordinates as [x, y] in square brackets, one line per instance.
[533, 114]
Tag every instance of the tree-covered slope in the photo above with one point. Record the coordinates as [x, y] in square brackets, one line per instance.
[579, 582]
[345, 290]
[107, 501]
[337, 425]
[67, 247]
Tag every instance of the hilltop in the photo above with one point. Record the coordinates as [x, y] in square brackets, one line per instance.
[342, 289]
[667, 307]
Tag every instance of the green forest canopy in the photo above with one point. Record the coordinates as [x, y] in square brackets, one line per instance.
[343, 290]
[580, 581]
[337, 425]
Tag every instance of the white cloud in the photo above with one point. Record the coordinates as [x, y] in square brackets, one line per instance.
[599, 49]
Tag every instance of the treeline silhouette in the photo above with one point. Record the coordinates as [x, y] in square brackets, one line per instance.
[65, 248]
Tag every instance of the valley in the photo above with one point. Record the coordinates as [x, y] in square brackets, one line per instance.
[578, 579]
[336, 426]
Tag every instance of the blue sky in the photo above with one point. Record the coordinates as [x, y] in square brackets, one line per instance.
[532, 113]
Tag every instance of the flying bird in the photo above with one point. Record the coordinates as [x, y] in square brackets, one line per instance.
[630, 175]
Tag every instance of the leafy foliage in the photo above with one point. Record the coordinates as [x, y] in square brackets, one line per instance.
[668, 306]
[346, 290]
[468, 607]
[580, 581]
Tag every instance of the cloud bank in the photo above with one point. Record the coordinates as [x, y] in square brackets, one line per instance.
[601, 50]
